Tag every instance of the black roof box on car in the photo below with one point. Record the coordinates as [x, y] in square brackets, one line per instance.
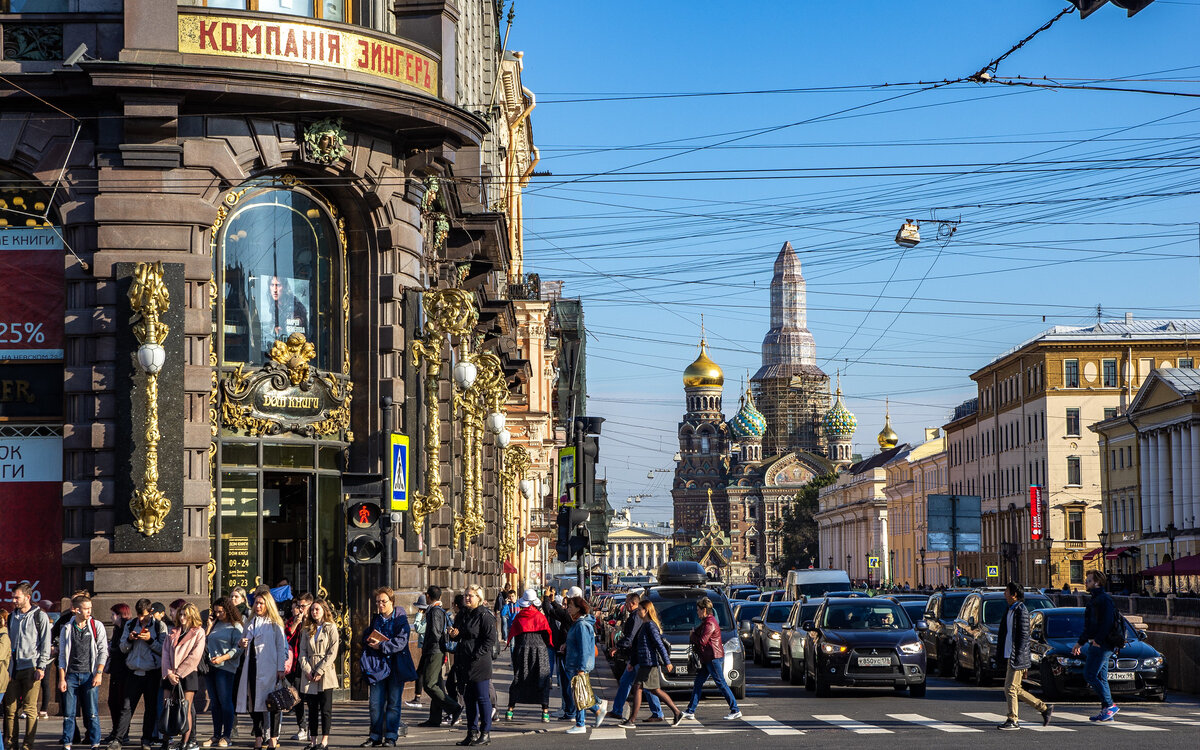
[682, 573]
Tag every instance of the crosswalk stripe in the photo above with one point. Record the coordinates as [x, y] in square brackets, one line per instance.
[1117, 724]
[845, 722]
[925, 721]
[608, 733]
[984, 716]
[767, 725]
[1157, 717]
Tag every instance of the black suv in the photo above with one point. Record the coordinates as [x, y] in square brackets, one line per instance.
[975, 632]
[863, 642]
[938, 636]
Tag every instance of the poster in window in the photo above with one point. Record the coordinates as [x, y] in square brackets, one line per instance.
[283, 305]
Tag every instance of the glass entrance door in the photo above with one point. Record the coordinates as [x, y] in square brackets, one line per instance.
[288, 530]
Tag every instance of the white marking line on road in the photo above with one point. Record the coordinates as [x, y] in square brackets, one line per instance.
[999, 718]
[608, 733]
[845, 722]
[1156, 717]
[925, 721]
[767, 725]
[1117, 724]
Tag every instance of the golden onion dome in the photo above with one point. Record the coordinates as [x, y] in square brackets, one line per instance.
[703, 372]
[888, 438]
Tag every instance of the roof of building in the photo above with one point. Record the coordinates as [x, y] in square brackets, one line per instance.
[879, 459]
[630, 533]
[1184, 380]
[1127, 329]
[749, 422]
[838, 421]
[703, 372]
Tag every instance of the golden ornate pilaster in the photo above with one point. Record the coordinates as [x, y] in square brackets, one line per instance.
[516, 463]
[448, 312]
[149, 299]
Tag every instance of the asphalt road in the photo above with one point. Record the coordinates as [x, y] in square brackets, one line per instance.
[777, 715]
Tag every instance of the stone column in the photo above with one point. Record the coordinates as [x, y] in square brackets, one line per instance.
[1164, 479]
[1154, 483]
[1145, 481]
[1175, 456]
[1183, 490]
[1193, 460]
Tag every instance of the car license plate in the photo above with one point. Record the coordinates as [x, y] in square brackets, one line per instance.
[1120, 676]
[876, 661]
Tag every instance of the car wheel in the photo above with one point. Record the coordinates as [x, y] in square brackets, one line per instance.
[739, 691]
[822, 685]
[785, 672]
[956, 668]
[1049, 686]
[945, 661]
[981, 678]
[809, 683]
[1157, 696]
[794, 677]
[917, 691]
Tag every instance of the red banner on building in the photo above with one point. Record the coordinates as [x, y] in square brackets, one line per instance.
[31, 516]
[1035, 513]
[32, 301]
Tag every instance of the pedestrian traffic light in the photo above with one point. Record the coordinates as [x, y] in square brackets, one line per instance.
[364, 532]
[569, 519]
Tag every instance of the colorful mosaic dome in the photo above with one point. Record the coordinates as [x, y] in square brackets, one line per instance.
[749, 421]
[838, 421]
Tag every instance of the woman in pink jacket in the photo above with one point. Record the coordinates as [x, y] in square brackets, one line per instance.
[181, 657]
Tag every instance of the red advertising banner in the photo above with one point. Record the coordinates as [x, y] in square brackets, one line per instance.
[33, 301]
[31, 517]
[1035, 513]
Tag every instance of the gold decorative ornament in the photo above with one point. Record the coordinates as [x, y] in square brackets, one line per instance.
[295, 353]
[149, 299]
[486, 395]
[516, 463]
[448, 312]
[325, 141]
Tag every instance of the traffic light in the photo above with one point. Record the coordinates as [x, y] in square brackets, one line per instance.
[568, 545]
[1087, 7]
[364, 532]
[587, 470]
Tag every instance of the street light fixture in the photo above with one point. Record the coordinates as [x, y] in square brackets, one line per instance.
[831, 562]
[922, 567]
[1103, 536]
[1172, 532]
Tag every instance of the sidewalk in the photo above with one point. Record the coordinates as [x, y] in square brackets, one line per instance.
[351, 718]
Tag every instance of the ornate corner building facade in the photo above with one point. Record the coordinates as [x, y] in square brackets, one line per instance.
[259, 240]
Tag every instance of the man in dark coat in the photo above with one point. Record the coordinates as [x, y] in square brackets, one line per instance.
[1013, 643]
[560, 623]
[433, 657]
[1099, 620]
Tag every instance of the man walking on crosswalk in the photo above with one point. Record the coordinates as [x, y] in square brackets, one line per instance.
[1013, 641]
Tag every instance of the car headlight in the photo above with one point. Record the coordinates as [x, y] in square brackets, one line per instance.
[911, 648]
[1153, 662]
[834, 648]
[1070, 661]
[733, 645]
[774, 636]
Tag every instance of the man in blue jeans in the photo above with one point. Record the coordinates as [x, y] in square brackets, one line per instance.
[1098, 621]
[386, 664]
[82, 654]
[629, 675]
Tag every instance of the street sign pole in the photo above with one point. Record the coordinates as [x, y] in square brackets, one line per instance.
[954, 539]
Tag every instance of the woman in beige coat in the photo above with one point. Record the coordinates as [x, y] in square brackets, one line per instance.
[318, 669]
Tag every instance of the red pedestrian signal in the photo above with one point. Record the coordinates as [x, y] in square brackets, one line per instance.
[363, 515]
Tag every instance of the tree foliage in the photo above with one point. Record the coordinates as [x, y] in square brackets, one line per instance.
[797, 528]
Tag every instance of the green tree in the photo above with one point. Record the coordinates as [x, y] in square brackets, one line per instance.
[797, 528]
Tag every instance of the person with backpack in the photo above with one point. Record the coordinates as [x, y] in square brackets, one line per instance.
[82, 654]
[433, 658]
[29, 632]
[1013, 642]
[142, 643]
[120, 615]
[386, 664]
[1103, 633]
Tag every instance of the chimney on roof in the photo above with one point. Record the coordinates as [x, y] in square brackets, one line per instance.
[1128, 318]
[932, 433]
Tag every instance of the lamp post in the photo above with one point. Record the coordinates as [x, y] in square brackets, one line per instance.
[922, 567]
[831, 562]
[848, 558]
[1171, 534]
[1103, 536]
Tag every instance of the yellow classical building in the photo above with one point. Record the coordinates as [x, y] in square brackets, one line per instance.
[911, 479]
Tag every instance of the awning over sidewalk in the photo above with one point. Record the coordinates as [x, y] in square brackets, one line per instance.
[1092, 554]
[1113, 554]
[1184, 566]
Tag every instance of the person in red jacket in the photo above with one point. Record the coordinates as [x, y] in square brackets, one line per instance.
[707, 645]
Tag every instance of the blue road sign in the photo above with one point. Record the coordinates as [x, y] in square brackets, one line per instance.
[399, 471]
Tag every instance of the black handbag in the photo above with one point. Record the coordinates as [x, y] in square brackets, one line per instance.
[174, 717]
[283, 698]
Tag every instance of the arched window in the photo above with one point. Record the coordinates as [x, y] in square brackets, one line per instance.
[279, 264]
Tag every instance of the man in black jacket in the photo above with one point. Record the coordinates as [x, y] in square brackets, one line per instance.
[560, 623]
[433, 656]
[1098, 621]
[1013, 642]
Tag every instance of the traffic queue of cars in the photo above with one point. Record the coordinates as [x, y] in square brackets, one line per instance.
[851, 639]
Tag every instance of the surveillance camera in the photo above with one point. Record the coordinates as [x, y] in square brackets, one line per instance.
[79, 53]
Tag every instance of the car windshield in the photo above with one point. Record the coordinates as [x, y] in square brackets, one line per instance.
[778, 614]
[680, 616]
[994, 609]
[1068, 625]
[915, 610]
[951, 605]
[749, 611]
[866, 615]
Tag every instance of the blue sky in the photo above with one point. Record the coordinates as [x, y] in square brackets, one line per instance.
[664, 205]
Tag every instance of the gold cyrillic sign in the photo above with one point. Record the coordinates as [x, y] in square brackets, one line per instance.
[307, 43]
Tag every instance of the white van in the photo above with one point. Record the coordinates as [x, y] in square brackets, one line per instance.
[815, 582]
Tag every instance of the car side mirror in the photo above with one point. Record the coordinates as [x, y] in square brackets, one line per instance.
[1142, 635]
[970, 622]
[808, 625]
[921, 625]
[757, 621]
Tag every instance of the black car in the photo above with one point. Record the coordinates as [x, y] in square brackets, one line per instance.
[1136, 669]
[938, 637]
[765, 635]
[863, 642]
[975, 632]
[743, 618]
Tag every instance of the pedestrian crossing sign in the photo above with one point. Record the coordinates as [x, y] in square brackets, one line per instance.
[872, 562]
[993, 571]
[399, 471]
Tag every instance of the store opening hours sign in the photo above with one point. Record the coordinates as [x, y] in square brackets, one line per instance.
[32, 301]
[31, 514]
